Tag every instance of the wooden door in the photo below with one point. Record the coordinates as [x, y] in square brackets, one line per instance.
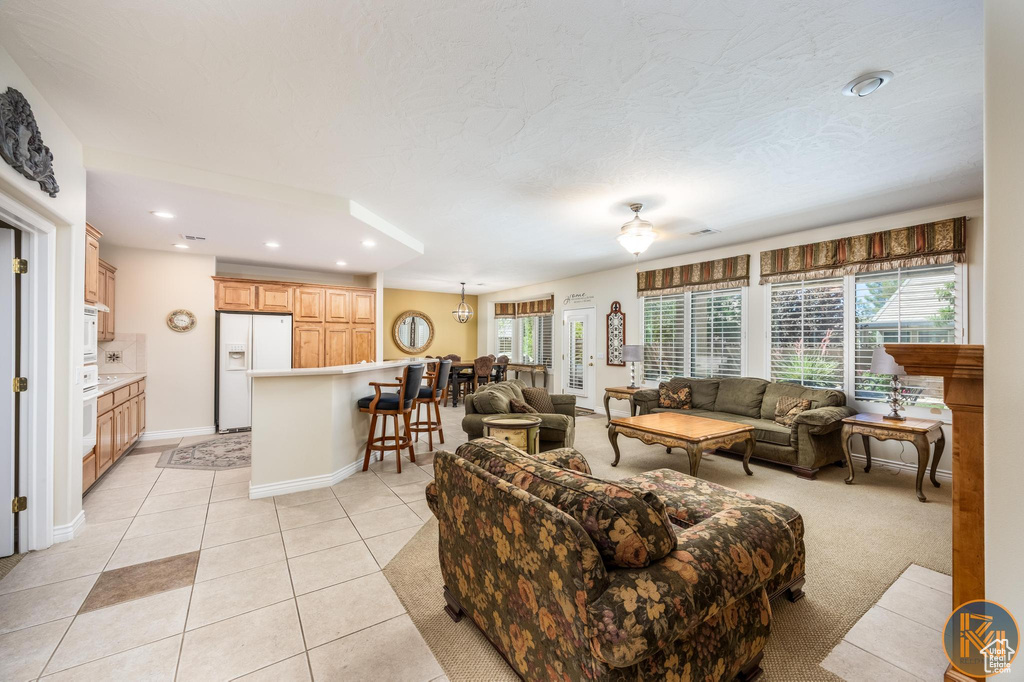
[133, 420]
[92, 264]
[236, 295]
[363, 344]
[104, 441]
[142, 414]
[274, 298]
[337, 308]
[308, 345]
[337, 345]
[89, 470]
[309, 304]
[363, 307]
[111, 317]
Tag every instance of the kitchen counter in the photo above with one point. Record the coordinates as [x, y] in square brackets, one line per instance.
[112, 382]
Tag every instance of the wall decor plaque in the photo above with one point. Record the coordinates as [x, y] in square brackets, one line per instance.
[21, 144]
[616, 326]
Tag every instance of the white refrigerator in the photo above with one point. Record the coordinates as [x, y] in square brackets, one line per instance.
[246, 341]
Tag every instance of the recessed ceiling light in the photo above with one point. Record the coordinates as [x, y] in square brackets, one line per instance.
[341, 262]
[162, 214]
[180, 246]
[271, 245]
[369, 243]
[864, 85]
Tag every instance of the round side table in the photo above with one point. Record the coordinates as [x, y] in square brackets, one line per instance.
[521, 431]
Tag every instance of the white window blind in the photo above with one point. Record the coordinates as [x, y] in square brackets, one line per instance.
[664, 336]
[716, 333]
[535, 340]
[544, 325]
[506, 331]
[912, 305]
[527, 349]
[807, 344]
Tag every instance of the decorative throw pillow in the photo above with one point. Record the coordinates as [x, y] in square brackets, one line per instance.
[629, 525]
[788, 408]
[677, 398]
[491, 402]
[520, 407]
[538, 399]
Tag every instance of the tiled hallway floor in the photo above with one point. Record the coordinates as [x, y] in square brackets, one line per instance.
[178, 575]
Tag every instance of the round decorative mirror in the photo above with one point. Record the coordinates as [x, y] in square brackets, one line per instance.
[413, 332]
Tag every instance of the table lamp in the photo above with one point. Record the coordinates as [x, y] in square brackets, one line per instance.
[883, 363]
[632, 355]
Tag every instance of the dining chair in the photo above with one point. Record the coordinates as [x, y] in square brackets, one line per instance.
[501, 368]
[397, 404]
[482, 367]
[431, 396]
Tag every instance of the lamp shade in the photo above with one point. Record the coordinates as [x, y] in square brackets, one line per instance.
[883, 363]
[634, 353]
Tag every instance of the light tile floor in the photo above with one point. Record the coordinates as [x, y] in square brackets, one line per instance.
[900, 637]
[288, 588]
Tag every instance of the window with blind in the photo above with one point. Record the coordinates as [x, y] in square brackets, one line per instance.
[716, 333]
[664, 337]
[535, 340]
[505, 327]
[911, 305]
[544, 325]
[807, 339]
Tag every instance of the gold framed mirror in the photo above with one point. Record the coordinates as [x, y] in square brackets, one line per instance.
[413, 332]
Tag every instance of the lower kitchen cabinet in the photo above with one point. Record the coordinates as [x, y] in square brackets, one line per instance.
[119, 425]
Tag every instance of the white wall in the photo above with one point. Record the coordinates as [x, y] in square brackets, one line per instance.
[620, 285]
[180, 366]
[67, 213]
[1004, 244]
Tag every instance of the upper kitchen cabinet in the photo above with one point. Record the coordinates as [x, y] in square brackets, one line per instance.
[108, 284]
[364, 308]
[339, 304]
[235, 294]
[274, 298]
[309, 304]
[92, 264]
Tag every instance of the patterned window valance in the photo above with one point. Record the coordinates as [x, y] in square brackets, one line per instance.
[944, 241]
[541, 307]
[504, 309]
[723, 273]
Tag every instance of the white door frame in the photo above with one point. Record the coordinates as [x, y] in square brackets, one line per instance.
[588, 397]
[39, 247]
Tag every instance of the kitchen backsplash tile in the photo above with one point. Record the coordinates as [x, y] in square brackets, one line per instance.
[126, 354]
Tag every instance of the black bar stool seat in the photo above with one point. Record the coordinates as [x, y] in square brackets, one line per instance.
[397, 404]
[431, 396]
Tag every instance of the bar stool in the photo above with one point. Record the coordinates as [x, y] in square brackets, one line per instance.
[397, 404]
[431, 396]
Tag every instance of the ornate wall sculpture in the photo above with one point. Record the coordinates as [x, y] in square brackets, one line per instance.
[616, 327]
[22, 144]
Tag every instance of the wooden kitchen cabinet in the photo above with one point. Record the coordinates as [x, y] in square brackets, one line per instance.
[107, 281]
[364, 309]
[309, 304]
[120, 422]
[338, 306]
[364, 345]
[92, 264]
[274, 298]
[308, 345]
[337, 344]
[231, 295]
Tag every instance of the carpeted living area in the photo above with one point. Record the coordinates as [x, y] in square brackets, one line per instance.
[859, 540]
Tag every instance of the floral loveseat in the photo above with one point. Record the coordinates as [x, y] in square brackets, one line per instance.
[809, 443]
[575, 578]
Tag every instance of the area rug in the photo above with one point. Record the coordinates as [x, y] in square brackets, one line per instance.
[224, 452]
[859, 539]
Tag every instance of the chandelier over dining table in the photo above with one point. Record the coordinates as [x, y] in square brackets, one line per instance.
[463, 312]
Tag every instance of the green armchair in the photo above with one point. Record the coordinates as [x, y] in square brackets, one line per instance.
[557, 429]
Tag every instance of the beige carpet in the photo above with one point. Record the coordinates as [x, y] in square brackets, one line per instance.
[859, 540]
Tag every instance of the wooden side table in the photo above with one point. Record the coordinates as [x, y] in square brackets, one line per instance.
[920, 432]
[521, 431]
[620, 393]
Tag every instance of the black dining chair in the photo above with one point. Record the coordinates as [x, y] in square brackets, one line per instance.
[397, 404]
[431, 396]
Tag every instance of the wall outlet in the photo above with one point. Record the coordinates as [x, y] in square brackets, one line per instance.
[113, 356]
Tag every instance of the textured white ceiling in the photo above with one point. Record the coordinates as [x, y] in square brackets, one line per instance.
[507, 135]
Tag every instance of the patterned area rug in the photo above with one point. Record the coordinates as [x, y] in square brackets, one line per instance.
[225, 452]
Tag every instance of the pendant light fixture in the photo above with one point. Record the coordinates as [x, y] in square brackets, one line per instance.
[638, 234]
[463, 312]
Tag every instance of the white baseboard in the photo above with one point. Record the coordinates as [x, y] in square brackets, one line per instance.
[876, 462]
[69, 530]
[298, 485]
[178, 433]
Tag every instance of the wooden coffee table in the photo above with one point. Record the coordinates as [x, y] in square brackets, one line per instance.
[695, 434]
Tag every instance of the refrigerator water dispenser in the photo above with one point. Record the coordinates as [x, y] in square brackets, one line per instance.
[236, 357]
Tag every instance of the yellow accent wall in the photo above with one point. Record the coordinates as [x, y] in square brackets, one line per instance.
[449, 335]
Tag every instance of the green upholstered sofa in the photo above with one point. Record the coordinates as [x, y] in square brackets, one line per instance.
[809, 444]
[557, 430]
[525, 555]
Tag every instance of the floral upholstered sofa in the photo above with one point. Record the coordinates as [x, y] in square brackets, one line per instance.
[571, 577]
[810, 439]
